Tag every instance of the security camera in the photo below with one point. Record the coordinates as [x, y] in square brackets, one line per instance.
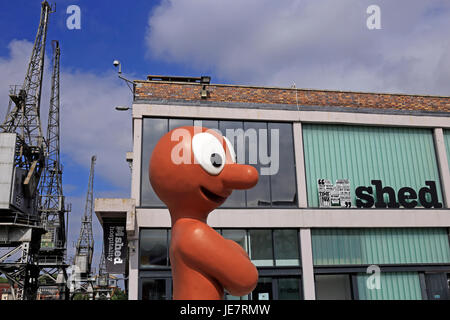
[116, 63]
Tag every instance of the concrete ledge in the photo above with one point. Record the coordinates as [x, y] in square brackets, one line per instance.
[112, 208]
[326, 117]
[308, 218]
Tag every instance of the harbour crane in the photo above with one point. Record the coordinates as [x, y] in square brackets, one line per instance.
[23, 160]
[85, 244]
[52, 205]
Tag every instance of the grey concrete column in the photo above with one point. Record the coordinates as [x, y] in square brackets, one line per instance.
[300, 165]
[309, 291]
[133, 271]
[441, 154]
[136, 168]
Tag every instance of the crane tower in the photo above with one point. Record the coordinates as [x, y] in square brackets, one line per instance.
[52, 207]
[85, 244]
[22, 162]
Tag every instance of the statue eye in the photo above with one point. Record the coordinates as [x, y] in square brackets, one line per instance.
[208, 152]
[216, 160]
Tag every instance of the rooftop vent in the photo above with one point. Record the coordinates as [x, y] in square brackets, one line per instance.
[201, 80]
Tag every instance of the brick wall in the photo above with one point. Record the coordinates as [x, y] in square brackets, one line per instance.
[159, 90]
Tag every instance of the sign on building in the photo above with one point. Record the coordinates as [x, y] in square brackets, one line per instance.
[115, 242]
[337, 195]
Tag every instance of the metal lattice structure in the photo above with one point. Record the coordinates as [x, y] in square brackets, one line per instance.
[52, 207]
[102, 265]
[102, 289]
[85, 244]
[20, 228]
[23, 116]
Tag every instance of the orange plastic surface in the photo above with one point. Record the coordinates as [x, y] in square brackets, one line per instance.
[203, 262]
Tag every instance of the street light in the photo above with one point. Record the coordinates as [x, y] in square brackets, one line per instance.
[129, 83]
[122, 108]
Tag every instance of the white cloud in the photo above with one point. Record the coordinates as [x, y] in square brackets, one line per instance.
[90, 124]
[316, 44]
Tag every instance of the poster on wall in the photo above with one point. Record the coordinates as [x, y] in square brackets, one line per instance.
[115, 250]
[337, 195]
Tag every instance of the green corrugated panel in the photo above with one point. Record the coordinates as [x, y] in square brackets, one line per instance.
[399, 157]
[393, 286]
[380, 246]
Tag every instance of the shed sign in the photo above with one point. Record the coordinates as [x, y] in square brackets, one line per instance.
[376, 195]
[115, 240]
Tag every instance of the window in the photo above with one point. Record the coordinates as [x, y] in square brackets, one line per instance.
[152, 131]
[268, 146]
[259, 195]
[240, 236]
[286, 247]
[333, 287]
[277, 288]
[153, 248]
[267, 247]
[289, 289]
[261, 251]
[154, 289]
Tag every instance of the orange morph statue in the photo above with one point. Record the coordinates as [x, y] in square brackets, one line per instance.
[193, 170]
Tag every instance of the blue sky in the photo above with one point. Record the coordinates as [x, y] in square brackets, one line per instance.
[109, 30]
[314, 44]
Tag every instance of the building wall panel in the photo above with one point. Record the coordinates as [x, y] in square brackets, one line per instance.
[393, 286]
[380, 246]
[399, 157]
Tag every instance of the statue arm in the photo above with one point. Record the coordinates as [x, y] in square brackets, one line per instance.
[207, 251]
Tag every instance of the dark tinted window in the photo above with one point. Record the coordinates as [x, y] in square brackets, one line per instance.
[153, 246]
[152, 131]
[269, 147]
[283, 182]
[261, 252]
[286, 247]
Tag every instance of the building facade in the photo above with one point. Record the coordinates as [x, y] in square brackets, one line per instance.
[352, 201]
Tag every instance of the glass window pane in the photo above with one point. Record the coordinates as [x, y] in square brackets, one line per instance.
[286, 247]
[333, 287]
[176, 123]
[256, 149]
[153, 248]
[169, 239]
[263, 290]
[228, 296]
[289, 289]
[261, 252]
[152, 131]
[282, 178]
[154, 289]
[237, 198]
[210, 124]
[240, 236]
